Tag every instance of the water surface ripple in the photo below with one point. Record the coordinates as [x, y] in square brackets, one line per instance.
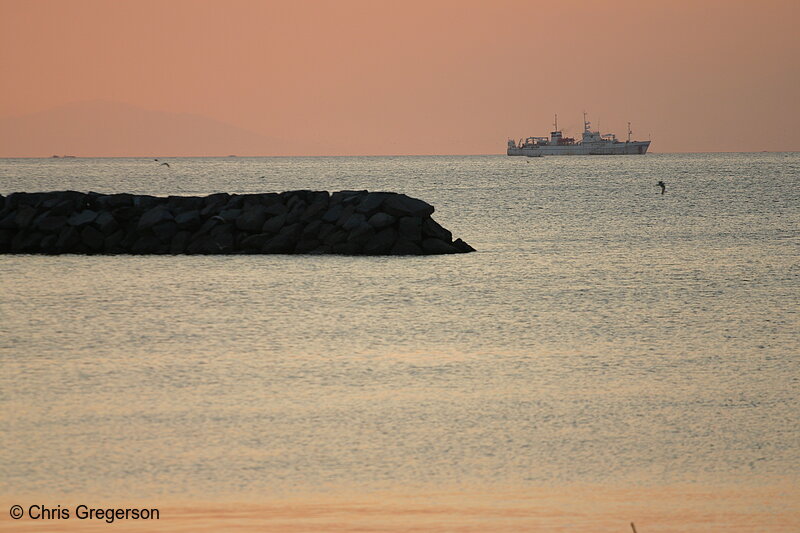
[602, 334]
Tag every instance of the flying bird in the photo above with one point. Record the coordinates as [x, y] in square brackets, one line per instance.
[162, 164]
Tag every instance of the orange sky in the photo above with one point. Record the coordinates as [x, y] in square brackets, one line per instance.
[408, 77]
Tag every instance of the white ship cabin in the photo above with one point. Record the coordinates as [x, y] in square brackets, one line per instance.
[528, 142]
[590, 136]
[556, 138]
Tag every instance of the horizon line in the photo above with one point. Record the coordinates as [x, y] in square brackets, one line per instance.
[236, 156]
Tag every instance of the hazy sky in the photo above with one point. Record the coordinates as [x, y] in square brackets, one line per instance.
[408, 77]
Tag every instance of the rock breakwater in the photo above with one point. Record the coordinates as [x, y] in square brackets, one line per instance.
[293, 222]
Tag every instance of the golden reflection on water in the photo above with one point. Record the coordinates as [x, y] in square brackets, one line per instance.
[602, 335]
[690, 508]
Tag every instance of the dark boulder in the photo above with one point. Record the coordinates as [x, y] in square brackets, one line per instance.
[112, 244]
[293, 231]
[404, 247]
[254, 243]
[321, 250]
[252, 200]
[214, 204]
[179, 242]
[145, 202]
[207, 226]
[106, 223]
[274, 224]
[381, 220]
[346, 248]
[279, 244]
[92, 238]
[51, 223]
[131, 236]
[52, 199]
[311, 230]
[154, 216]
[325, 229]
[165, 231]
[218, 198]
[148, 244]
[270, 198]
[333, 213]
[64, 207]
[223, 242]
[462, 247]
[115, 201]
[335, 237]
[306, 246]
[9, 221]
[347, 212]
[296, 200]
[223, 231]
[435, 246]
[370, 203]
[431, 228]
[410, 228]
[17, 199]
[126, 214]
[236, 201]
[320, 196]
[230, 214]
[361, 234]
[6, 235]
[25, 216]
[252, 218]
[189, 220]
[26, 241]
[355, 220]
[400, 205]
[275, 209]
[381, 243]
[346, 197]
[315, 210]
[204, 244]
[295, 214]
[68, 239]
[87, 216]
[48, 244]
[178, 204]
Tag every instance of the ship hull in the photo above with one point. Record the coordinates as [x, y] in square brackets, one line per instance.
[530, 152]
[616, 148]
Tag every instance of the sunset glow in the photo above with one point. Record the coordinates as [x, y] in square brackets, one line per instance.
[366, 77]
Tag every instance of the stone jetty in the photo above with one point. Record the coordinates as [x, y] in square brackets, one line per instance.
[293, 222]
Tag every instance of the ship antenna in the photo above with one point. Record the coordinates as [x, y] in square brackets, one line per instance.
[585, 124]
[555, 123]
[629, 132]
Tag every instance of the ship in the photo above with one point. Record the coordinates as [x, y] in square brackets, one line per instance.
[592, 143]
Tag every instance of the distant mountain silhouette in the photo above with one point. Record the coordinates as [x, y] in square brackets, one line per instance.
[101, 128]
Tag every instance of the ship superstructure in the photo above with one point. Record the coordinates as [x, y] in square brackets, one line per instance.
[591, 143]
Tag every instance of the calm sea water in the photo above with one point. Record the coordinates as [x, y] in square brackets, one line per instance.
[603, 334]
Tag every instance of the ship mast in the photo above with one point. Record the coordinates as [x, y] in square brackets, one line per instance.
[555, 122]
[629, 132]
